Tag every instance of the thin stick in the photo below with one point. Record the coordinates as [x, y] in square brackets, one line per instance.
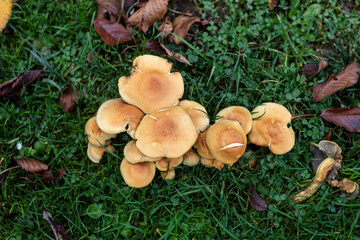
[8, 169]
[305, 115]
[174, 11]
[2, 159]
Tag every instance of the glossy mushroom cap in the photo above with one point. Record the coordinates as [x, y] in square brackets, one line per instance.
[151, 86]
[201, 147]
[95, 135]
[191, 158]
[5, 12]
[137, 175]
[168, 175]
[115, 116]
[133, 155]
[168, 163]
[226, 141]
[167, 133]
[95, 153]
[237, 113]
[197, 114]
[270, 128]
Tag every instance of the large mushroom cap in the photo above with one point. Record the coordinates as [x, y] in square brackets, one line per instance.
[137, 175]
[115, 116]
[151, 87]
[95, 153]
[201, 147]
[226, 141]
[237, 113]
[270, 128]
[5, 12]
[133, 155]
[168, 133]
[96, 136]
[197, 114]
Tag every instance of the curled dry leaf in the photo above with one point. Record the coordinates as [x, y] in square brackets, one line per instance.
[68, 99]
[112, 8]
[272, 4]
[346, 78]
[166, 27]
[349, 118]
[111, 33]
[57, 229]
[31, 165]
[182, 25]
[148, 14]
[14, 87]
[312, 68]
[255, 200]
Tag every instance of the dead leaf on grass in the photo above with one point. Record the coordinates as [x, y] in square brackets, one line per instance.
[111, 33]
[182, 26]
[58, 230]
[349, 118]
[312, 68]
[112, 8]
[31, 165]
[68, 100]
[166, 27]
[346, 78]
[61, 173]
[272, 4]
[255, 200]
[14, 87]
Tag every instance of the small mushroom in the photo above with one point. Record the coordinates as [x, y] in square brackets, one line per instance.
[115, 116]
[197, 114]
[96, 136]
[133, 155]
[151, 86]
[5, 12]
[191, 158]
[270, 128]
[201, 147]
[168, 163]
[95, 153]
[207, 162]
[137, 175]
[168, 175]
[218, 164]
[237, 113]
[350, 188]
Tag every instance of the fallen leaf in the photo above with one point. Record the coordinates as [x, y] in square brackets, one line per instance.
[349, 118]
[166, 27]
[346, 78]
[68, 100]
[177, 56]
[312, 68]
[272, 4]
[61, 173]
[58, 230]
[111, 33]
[14, 87]
[181, 26]
[109, 7]
[31, 165]
[148, 14]
[255, 200]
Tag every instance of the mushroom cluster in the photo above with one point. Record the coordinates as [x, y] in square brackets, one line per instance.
[166, 131]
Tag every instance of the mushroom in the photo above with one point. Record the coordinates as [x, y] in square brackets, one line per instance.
[218, 164]
[137, 175]
[133, 155]
[95, 153]
[168, 163]
[115, 116]
[191, 158]
[96, 136]
[350, 188]
[226, 141]
[197, 114]
[237, 113]
[5, 12]
[207, 162]
[151, 86]
[167, 133]
[270, 128]
[201, 147]
[168, 175]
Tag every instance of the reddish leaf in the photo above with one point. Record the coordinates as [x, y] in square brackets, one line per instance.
[346, 78]
[111, 33]
[31, 165]
[312, 68]
[58, 230]
[255, 200]
[182, 25]
[348, 118]
[14, 87]
[112, 8]
[272, 4]
[166, 27]
[61, 173]
[27, 179]
[68, 100]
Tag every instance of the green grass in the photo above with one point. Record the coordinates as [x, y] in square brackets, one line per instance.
[254, 55]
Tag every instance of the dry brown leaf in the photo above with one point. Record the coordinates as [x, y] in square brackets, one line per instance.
[111, 33]
[166, 27]
[68, 100]
[272, 4]
[348, 118]
[181, 26]
[312, 68]
[31, 165]
[148, 14]
[255, 200]
[346, 78]
[112, 8]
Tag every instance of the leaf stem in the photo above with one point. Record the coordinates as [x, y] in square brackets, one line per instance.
[8, 169]
[305, 115]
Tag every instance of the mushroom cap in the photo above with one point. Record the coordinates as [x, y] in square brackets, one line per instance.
[167, 133]
[207, 162]
[168, 163]
[191, 158]
[133, 155]
[115, 116]
[237, 113]
[197, 114]
[95, 135]
[151, 86]
[168, 175]
[95, 153]
[137, 175]
[270, 128]
[218, 164]
[201, 147]
[226, 141]
[5, 12]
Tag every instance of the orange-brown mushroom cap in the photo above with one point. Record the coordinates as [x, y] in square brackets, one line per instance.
[151, 86]
[237, 113]
[167, 133]
[226, 141]
[115, 116]
[168, 175]
[197, 114]
[168, 163]
[95, 153]
[137, 175]
[96, 136]
[133, 154]
[5, 12]
[270, 128]
[191, 158]
[207, 162]
[201, 147]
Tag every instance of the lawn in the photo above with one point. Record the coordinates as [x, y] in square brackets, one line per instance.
[247, 55]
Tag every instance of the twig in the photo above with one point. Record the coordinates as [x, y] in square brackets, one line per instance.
[1, 160]
[8, 169]
[305, 115]
[174, 11]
